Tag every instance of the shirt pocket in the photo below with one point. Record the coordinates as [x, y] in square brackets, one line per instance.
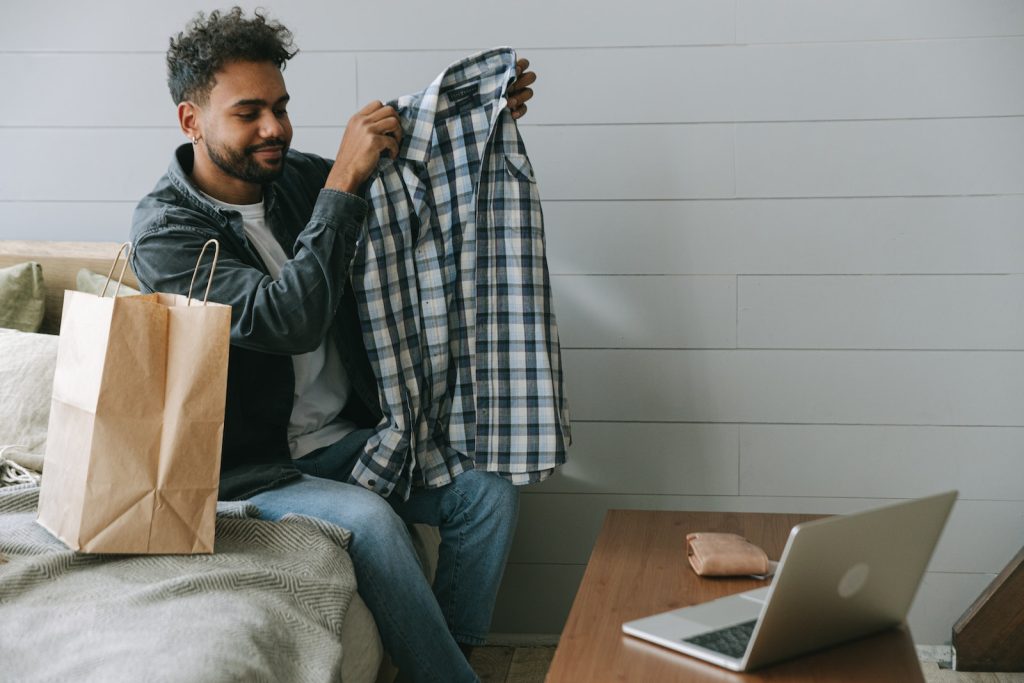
[515, 203]
[518, 166]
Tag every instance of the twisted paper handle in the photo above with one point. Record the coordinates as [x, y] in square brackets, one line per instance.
[213, 269]
[125, 249]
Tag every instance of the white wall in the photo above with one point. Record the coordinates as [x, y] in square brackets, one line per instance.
[787, 238]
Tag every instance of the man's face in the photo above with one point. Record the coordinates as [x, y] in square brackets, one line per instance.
[245, 122]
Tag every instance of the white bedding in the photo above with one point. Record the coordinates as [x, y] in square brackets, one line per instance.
[255, 610]
[53, 631]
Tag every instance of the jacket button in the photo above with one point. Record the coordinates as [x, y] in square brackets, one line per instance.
[371, 483]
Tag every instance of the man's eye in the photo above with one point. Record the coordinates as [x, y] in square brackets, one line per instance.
[248, 116]
[281, 113]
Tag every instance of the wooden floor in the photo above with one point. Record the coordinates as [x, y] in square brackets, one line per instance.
[505, 664]
[933, 673]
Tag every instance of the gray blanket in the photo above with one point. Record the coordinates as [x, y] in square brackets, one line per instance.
[268, 605]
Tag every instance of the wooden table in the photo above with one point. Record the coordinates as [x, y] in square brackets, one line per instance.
[638, 568]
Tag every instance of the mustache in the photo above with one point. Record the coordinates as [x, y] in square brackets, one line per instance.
[276, 143]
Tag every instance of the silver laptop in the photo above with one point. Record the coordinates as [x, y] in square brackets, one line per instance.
[839, 578]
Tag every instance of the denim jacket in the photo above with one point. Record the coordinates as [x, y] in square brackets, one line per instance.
[271, 319]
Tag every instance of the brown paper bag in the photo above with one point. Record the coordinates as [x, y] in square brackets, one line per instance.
[133, 448]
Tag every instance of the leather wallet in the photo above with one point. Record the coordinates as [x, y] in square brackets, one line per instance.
[720, 554]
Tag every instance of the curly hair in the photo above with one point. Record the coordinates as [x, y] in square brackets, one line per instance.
[208, 43]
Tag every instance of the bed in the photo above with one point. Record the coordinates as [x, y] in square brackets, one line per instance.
[254, 610]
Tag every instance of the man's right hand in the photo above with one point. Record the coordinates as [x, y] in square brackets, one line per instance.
[375, 129]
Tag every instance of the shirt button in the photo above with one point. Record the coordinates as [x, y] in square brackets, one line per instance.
[371, 483]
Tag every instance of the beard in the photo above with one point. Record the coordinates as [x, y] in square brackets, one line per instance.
[242, 165]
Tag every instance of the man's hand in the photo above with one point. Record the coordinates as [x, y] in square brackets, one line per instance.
[375, 129]
[519, 92]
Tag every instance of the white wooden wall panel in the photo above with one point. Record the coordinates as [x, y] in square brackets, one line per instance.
[469, 25]
[880, 80]
[99, 26]
[646, 311]
[85, 172]
[100, 221]
[880, 158]
[722, 83]
[789, 21]
[118, 25]
[693, 156]
[841, 387]
[47, 89]
[745, 83]
[882, 312]
[807, 236]
[84, 164]
[885, 462]
[963, 549]
[708, 75]
[632, 162]
[941, 600]
[649, 459]
[614, 162]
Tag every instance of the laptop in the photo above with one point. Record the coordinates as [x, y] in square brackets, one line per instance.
[839, 578]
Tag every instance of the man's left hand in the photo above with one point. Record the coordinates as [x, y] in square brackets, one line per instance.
[519, 92]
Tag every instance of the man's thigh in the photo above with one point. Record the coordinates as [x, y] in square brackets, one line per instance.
[346, 505]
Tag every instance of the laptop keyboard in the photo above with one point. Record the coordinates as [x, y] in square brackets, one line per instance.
[731, 640]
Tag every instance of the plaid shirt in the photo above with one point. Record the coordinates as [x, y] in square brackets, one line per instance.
[454, 295]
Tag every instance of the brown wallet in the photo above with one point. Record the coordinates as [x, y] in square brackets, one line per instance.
[720, 554]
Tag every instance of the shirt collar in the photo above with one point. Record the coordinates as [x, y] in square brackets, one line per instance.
[494, 69]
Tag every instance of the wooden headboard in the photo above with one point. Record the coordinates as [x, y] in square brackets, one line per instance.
[61, 262]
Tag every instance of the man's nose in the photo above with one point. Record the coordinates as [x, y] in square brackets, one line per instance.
[271, 126]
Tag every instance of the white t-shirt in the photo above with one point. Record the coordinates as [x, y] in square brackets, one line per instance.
[321, 383]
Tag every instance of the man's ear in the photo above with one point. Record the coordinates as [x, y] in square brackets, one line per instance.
[188, 119]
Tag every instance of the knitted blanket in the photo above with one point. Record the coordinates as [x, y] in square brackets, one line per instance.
[267, 605]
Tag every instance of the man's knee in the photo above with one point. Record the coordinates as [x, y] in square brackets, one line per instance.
[371, 517]
[489, 492]
[364, 513]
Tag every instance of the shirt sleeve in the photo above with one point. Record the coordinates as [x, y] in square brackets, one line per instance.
[287, 315]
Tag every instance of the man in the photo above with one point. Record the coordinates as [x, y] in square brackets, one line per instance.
[301, 394]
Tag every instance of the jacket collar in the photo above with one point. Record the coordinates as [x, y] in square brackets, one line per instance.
[179, 174]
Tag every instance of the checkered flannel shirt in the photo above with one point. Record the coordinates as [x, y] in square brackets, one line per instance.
[454, 295]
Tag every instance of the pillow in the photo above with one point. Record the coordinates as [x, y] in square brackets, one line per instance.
[22, 297]
[27, 362]
[92, 283]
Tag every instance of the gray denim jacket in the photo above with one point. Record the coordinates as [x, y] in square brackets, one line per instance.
[271, 320]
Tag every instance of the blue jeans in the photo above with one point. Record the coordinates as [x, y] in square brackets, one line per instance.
[476, 515]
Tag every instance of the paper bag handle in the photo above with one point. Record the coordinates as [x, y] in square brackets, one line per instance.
[213, 269]
[125, 249]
